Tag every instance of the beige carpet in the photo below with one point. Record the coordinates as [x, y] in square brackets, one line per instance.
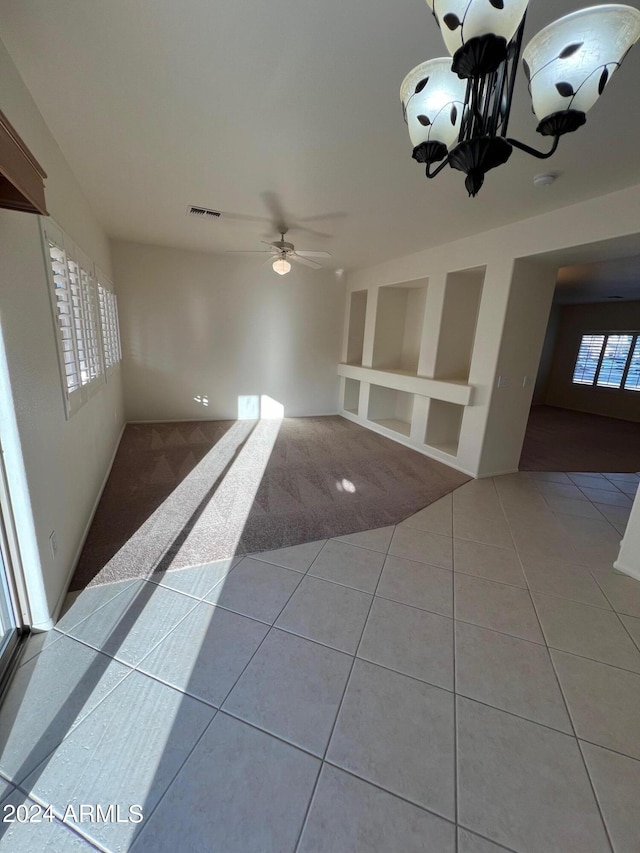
[183, 494]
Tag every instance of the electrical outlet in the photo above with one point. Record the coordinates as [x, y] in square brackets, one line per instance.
[53, 542]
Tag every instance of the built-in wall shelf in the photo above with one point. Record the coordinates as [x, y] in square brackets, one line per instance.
[390, 408]
[443, 426]
[394, 424]
[399, 322]
[351, 396]
[451, 391]
[355, 334]
[408, 359]
[462, 295]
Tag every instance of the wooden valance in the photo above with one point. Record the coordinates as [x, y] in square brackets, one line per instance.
[21, 176]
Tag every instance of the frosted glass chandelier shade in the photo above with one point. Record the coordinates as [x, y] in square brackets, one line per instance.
[433, 102]
[569, 62]
[281, 266]
[461, 20]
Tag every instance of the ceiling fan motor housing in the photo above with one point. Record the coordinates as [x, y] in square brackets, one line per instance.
[283, 246]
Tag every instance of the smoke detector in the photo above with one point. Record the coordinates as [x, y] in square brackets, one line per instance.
[544, 180]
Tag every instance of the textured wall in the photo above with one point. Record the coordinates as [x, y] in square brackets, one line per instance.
[196, 325]
[55, 467]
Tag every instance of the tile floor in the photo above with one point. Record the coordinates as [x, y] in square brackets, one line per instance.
[466, 681]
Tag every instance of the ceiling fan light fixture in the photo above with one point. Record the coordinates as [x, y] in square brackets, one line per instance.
[281, 266]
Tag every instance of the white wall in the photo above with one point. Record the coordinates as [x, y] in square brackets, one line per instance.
[513, 313]
[546, 359]
[629, 557]
[55, 467]
[215, 326]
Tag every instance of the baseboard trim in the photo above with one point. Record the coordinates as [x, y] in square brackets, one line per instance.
[627, 570]
[499, 473]
[46, 626]
[199, 420]
[406, 442]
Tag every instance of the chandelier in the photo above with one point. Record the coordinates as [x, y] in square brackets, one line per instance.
[457, 108]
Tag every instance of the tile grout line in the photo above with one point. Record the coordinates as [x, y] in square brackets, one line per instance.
[56, 812]
[566, 704]
[575, 736]
[584, 761]
[344, 693]
[219, 709]
[635, 642]
[456, 792]
[594, 575]
[609, 749]
[45, 758]
[92, 613]
[124, 614]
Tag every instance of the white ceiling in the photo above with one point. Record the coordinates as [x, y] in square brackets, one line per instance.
[614, 279]
[252, 107]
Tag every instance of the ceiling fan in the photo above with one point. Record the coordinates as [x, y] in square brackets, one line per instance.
[282, 253]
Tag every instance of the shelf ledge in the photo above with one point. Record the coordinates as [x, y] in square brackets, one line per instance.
[394, 424]
[450, 391]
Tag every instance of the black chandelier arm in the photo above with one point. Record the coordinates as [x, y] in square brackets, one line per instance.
[541, 155]
[437, 171]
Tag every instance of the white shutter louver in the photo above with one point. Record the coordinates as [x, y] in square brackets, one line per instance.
[609, 360]
[64, 316]
[108, 306]
[80, 307]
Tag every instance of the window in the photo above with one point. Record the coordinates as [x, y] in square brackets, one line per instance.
[609, 360]
[87, 333]
[588, 359]
[109, 322]
[632, 382]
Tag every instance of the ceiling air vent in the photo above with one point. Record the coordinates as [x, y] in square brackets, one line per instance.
[203, 212]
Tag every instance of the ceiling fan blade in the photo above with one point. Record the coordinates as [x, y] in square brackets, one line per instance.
[307, 263]
[295, 226]
[273, 205]
[246, 252]
[339, 214]
[306, 254]
[242, 217]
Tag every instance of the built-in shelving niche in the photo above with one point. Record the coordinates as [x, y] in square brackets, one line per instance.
[357, 315]
[351, 396]
[399, 324]
[443, 426]
[390, 408]
[462, 297]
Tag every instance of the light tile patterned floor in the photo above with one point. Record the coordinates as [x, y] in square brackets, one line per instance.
[466, 682]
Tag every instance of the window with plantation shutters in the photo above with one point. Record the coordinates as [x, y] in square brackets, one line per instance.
[90, 314]
[108, 307]
[588, 359]
[609, 360]
[77, 302]
[63, 307]
[632, 380]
